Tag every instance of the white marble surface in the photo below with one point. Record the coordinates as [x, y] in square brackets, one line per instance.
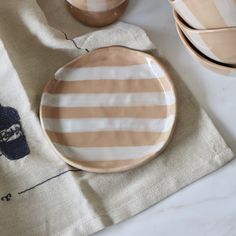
[207, 207]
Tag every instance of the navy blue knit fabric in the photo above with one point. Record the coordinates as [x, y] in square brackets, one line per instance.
[13, 143]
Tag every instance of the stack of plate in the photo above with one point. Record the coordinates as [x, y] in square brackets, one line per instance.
[208, 30]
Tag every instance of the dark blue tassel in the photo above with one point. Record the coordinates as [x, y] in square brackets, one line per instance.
[13, 142]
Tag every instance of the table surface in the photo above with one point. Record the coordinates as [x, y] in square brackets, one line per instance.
[208, 206]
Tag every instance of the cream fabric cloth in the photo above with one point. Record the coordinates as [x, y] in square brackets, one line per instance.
[80, 203]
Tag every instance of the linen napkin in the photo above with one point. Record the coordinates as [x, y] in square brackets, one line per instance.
[40, 194]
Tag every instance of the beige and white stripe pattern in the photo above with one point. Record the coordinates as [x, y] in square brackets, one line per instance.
[111, 109]
[207, 14]
[96, 5]
[209, 64]
[217, 44]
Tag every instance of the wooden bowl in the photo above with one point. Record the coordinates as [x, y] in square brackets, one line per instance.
[97, 13]
[217, 44]
[206, 14]
[206, 62]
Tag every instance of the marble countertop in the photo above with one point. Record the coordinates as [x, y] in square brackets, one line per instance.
[208, 206]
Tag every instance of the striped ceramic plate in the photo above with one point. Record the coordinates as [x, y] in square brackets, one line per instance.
[109, 110]
[96, 5]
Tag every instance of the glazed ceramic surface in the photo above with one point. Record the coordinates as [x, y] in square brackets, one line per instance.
[97, 12]
[217, 44]
[207, 62]
[207, 14]
[96, 5]
[109, 110]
